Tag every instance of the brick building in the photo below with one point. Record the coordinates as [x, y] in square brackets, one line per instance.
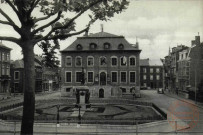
[17, 76]
[4, 69]
[110, 63]
[191, 67]
[151, 76]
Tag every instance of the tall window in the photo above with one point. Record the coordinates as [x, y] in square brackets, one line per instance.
[157, 77]
[123, 77]
[157, 70]
[68, 61]
[103, 61]
[68, 77]
[16, 75]
[8, 70]
[8, 56]
[114, 61]
[113, 76]
[144, 77]
[123, 61]
[78, 77]
[151, 77]
[3, 69]
[132, 61]
[132, 77]
[151, 70]
[90, 77]
[144, 70]
[78, 61]
[3, 56]
[90, 61]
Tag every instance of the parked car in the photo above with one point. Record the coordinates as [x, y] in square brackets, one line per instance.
[160, 91]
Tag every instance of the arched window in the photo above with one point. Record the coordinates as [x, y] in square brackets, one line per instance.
[132, 60]
[120, 46]
[106, 45]
[123, 61]
[93, 46]
[103, 61]
[68, 61]
[78, 61]
[90, 61]
[79, 47]
[114, 61]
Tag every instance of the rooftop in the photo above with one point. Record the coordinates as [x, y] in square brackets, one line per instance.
[99, 39]
[5, 47]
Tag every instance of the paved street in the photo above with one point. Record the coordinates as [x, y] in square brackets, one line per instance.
[164, 101]
[161, 100]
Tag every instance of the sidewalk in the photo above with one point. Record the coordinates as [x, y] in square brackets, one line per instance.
[198, 104]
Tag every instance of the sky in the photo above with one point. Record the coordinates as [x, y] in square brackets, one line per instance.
[157, 25]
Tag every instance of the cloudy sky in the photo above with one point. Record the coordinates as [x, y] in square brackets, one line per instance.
[157, 24]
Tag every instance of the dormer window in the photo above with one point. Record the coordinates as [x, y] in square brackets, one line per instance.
[106, 46]
[79, 47]
[93, 46]
[120, 46]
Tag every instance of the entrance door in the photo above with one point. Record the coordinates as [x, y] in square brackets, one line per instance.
[102, 78]
[101, 93]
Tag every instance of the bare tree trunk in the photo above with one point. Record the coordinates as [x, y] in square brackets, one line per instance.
[29, 90]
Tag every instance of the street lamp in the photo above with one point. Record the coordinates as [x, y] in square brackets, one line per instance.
[79, 116]
[58, 106]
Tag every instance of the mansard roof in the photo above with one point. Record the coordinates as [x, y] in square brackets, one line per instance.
[99, 39]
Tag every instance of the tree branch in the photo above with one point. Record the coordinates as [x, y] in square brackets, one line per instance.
[43, 18]
[14, 9]
[48, 24]
[73, 19]
[12, 39]
[10, 22]
[33, 5]
[6, 16]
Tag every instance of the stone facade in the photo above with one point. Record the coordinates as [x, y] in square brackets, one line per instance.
[110, 63]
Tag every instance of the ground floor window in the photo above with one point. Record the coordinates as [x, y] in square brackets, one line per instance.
[90, 76]
[123, 77]
[78, 77]
[132, 77]
[68, 76]
[113, 76]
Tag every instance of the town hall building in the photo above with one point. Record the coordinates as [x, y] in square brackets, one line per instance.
[110, 64]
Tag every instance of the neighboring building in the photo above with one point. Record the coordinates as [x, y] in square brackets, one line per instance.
[47, 79]
[17, 76]
[191, 67]
[4, 69]
[151, 76]
[171, 68]
[111, 65]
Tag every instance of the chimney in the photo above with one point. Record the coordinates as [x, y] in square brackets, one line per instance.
[192, 42]
[102, 28]
[197, 39]
[137, 43]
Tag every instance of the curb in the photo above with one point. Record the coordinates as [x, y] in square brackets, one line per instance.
[184, 100]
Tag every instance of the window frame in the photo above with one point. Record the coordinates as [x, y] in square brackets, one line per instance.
[15, 75]
[114, 57]
[116, 76]
[71, 61]
[92, 76]
[130, 61]
[87, 61]
[126, 61]
[76, 61]
[70, 76]
[76, 76]
[100, 61]
[130, 76]
[125, 76]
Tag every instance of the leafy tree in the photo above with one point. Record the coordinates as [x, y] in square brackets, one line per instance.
[49, 55]
[58, 27]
